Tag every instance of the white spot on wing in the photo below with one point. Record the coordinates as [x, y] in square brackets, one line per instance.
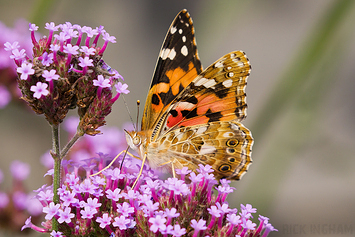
[201, 81]
[173, 30]
[207, 149]
[228, 134]
[168, 53]
[184, 105]
[227, 83]
[210, 83]
[201, 130]
[184, 39]
[164, 53]
[172, 54]
[234, 126]
[219, 64]
[206, 82]
[184, 50]
[180, 31]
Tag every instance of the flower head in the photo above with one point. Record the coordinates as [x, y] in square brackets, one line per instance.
[59, 55]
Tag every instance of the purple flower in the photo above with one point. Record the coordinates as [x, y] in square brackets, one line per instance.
[5, 97]
[87, 187]
[205, 169]
[25, 70]
[157, 223]
[184, 171]
[104, 220]
[248, 208]
[50, 75]
[85, 62]
[88, 212]
[34, 207]
[54, 47]
[56, 234]
[28, 224]
[125, 209]
[121, 222]
[93, 203]
[65, 216]
[47, 59]
[181, 188]
[18, 54]
[20, 200]
[121, 88]
[87, 51]
[51, 26]
[70, 49]
[19, 170]
[171, 213]
[178, 231]
[233, 219]
[200, 225]
[214, 211]
[196, 178]
[107, 39]
[223, 208]
[102, 82]
[62, 37]
[10, 47]
[51, 210]
[69, 198]
[4, 200]
[268, 229]
[40, 89]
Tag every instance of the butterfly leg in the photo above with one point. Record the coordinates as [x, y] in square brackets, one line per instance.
[172, 167]
[140, 171]
[109, 165]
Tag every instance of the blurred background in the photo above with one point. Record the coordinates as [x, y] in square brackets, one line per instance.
[301, 95]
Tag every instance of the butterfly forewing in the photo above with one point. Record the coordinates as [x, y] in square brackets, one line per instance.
[177, 66]
[217, 94]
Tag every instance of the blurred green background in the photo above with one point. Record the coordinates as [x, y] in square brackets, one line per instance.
[301, 95]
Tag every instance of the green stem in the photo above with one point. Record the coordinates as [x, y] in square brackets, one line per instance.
[56, 177]
[71, 143]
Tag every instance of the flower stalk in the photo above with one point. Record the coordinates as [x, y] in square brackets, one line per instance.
[58, 76]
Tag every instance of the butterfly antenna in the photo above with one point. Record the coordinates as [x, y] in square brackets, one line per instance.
[124, 156]
[138, 103]
[129, 113]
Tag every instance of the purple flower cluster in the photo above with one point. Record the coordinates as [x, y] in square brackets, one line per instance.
[66, 71]
[106, 204]
[8, 74]
[17, 203]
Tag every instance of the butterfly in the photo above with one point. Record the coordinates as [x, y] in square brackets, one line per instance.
[192, 116]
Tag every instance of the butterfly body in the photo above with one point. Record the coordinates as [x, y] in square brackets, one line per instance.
[192, 116]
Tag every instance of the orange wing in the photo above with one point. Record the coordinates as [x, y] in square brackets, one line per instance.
[177, 66]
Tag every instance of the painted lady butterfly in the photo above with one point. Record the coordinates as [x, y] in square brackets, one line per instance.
[192, 116]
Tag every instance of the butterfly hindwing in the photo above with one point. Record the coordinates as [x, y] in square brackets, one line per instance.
[177, 66]
[224, 145]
